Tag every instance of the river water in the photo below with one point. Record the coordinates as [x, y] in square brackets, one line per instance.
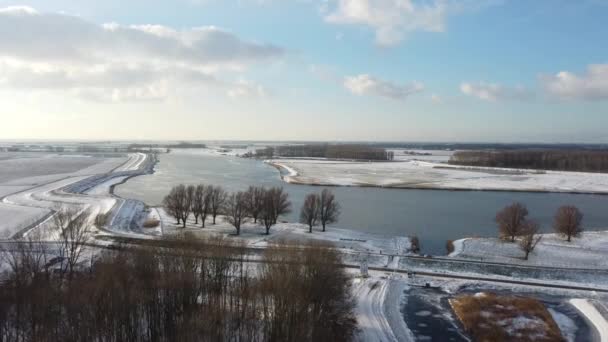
[435, 216]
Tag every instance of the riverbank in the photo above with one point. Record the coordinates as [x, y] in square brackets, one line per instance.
[376, 248]
[588, 251]
[416, 174]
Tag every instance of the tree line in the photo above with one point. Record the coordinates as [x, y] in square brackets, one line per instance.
[190, 290]
[332, 151]
[513, 223]
[561, 160]
[257, 204]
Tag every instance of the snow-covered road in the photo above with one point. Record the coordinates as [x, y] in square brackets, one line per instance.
[378, 309]
[593, 316]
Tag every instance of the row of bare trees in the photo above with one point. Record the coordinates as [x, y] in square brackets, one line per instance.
[513, 223]
[201, 201]
[320, 208]
[183, 290]
[258, 204]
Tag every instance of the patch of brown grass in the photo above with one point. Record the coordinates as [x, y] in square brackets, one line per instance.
[151, 223]
[492, 318]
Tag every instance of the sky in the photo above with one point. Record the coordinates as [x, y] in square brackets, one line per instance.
[331, 70]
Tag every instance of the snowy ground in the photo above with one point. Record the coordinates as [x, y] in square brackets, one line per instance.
[379, 300]
[38, 195]
[14, 167]
[435, 175]
[11, 189]
[16, 218]
[254, 235]
[590, 250]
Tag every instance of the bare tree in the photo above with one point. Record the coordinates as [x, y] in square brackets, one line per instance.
[198, 201]
[280, 202]
[309, 213]
[567, 221]
[195, 291]
[186, 198]
[255, 201]
[275, 203]
[236, 210]
[217, 199]
[73, 226]
[267, 213]
[511, 220]
[329, 208]
[529, 238]
[179, 203]
[171, 204]
[26, 258]
[206, 207]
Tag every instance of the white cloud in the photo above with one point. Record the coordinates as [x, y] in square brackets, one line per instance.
[368, 85]
[436, 99]
[245, 88]
[58, 51]
[593, 85]
[495, 92]
[392, 20]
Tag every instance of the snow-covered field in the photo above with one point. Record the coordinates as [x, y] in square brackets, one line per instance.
[590, 250]
[16, 218]
[436, 175]
[11, 189]
[29, 195]
[18, 166]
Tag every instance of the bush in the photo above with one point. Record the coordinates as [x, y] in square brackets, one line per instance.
[414, 244]
[449, 246]
[183, 290]
[490, 317]
[101, 220]
[151, 223]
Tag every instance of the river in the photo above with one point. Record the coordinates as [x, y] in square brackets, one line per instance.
[435, 216]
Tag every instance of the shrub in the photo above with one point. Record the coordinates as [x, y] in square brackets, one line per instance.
[151, 223]
[101, 220]
[414, 244]
[449, 246]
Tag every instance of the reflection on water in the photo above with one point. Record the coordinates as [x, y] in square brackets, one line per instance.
[428, 315]
[433, 215]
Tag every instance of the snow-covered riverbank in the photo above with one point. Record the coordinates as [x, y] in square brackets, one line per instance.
[590, 250]
[416, 174]
[254, 235]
